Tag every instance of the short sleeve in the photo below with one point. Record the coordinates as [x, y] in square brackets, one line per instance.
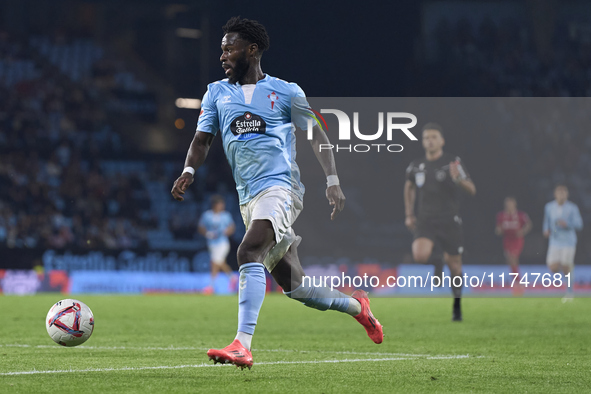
[409, 172]
[208, 117]
[301, 113]
[229, 219]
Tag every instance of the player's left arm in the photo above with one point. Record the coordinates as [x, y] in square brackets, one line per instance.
[230, 228]
[300, 114]
[460, 177]
[202, 227]
[325, 157]
[527, 225]
[576, 221]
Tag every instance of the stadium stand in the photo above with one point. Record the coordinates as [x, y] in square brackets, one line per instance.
[63, 180]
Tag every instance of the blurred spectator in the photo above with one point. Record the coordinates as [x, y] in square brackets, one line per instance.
[49, 195]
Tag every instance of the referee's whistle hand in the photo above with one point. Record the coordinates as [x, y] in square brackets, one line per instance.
[336, 198]
[454, 171]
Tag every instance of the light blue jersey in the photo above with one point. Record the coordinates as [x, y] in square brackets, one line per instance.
[257, 134]
[216, 224]
[562, 236]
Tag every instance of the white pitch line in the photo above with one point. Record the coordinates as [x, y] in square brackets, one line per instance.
[169, 348]
[355, 360]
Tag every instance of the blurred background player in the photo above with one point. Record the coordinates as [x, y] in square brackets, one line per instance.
[253, 111]
[439, 177]
[513, 225]
[216, 225]
[562, 220]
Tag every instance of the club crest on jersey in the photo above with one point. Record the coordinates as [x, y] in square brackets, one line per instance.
[273, 97]
[440, 175]
[247, 125]
[420, 179]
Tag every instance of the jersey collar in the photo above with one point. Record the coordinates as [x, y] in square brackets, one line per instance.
[265, 79]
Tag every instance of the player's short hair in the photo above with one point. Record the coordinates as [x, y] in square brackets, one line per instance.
[217, 198]
[249, 30]
[433, 126]
[561, 185]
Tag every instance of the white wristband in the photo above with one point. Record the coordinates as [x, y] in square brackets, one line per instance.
[190, 170]
[332, 180]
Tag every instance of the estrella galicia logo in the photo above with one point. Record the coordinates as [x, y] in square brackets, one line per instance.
[248, 123]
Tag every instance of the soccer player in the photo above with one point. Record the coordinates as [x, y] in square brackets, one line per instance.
[253, 111]
[438, 177]
[562, 220]
[513, 225]
[216, 225]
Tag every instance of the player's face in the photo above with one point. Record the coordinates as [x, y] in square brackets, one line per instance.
[561, 194]
[510, 205]
[432, 140]
[234, 57]
[219, 206]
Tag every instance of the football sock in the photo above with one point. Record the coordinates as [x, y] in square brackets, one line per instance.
[515, 270]
[323, 298]
[457, 291]
[251, 293]
[245, 339]
[354, 307]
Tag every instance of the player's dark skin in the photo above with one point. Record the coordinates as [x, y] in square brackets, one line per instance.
[241, 61]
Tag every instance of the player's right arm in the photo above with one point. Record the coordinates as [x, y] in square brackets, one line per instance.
[207, 127]
[195, 158]
[410, 193]
[499, 227]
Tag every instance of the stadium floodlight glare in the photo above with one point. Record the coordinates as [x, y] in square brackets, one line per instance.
[188, 103]
[185, 32]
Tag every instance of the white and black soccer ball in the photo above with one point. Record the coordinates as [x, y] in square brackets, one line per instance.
[69, 322]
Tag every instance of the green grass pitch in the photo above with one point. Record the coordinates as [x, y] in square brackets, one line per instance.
[158, 343]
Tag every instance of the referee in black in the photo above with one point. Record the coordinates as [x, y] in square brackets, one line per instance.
[439, 178]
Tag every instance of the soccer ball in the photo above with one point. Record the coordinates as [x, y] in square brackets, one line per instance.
[69, 322]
